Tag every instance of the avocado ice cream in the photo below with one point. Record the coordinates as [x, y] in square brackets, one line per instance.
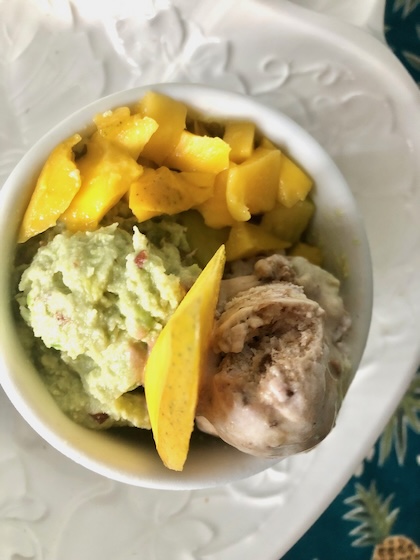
[96, 301]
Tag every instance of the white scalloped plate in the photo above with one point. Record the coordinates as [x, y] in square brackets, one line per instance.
[346, 89]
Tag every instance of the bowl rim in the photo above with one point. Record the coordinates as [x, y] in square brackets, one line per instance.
[208, 100]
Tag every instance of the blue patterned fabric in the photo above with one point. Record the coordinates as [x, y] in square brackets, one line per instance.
[377, 514]
[402, 32]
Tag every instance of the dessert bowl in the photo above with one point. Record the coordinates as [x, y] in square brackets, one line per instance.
[131, 457]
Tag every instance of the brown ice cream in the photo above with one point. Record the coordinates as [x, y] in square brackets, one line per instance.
[281, 362]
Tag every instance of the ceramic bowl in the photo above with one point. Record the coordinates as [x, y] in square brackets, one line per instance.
[337, 226]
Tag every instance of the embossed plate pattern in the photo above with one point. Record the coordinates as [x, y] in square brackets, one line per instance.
[347, 90]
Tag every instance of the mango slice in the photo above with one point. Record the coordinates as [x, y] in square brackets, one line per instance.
[289, 223]
[252, 186]
[198, 178]
[111, 118]
[215, 210]
[199, 153]
[248, 240]
[130, 132]
[171, 116]
[266, 143]
[174, 367]
[58, 183]
[107, 173]
[240, 137]
[162, 191]
[294, 184]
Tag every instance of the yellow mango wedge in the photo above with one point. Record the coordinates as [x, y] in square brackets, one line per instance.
[56, 187]
[289, 223]
[198, 178]
[266, 143]
[174, 367]
[170, 115]
[107, 173]
[111, 118]
[294, 184]
[240, 136]
[215, 210]
[199, 153]
[129, 132]
[248, 240]
[162, 191]
[252, 186]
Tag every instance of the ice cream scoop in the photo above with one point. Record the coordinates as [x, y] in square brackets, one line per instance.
[281, 364]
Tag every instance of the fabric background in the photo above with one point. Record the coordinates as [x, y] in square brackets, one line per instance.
[377, 514]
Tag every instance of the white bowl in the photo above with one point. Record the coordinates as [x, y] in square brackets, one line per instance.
[337, 226]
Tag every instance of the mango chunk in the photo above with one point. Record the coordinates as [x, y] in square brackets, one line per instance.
[107, 173]
[289, 223]
[130, 132]
[252, 186]
[111, 118]
[198, 178]
[202, 239]
[171, 116]
[215, 210]
[294, 184]
[175, 364]
[240, 137]
[247, 240]
[57, 184]
[199, 153]
[162, 191]
[266, 143]
[310, 252]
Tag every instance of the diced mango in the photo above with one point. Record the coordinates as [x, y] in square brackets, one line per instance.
[310, 252]
[162, 191]
[294, 184]
[175, 365]
[199, 153]
[203, 240]
[289, 223]
[215, 210]
[170, 115]
[111, 118]
[240, 137]
[252, 186]
[107, 173]
[58, 183]
[198, 178]
[268, 144]
[130, 132]
[247, 240]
